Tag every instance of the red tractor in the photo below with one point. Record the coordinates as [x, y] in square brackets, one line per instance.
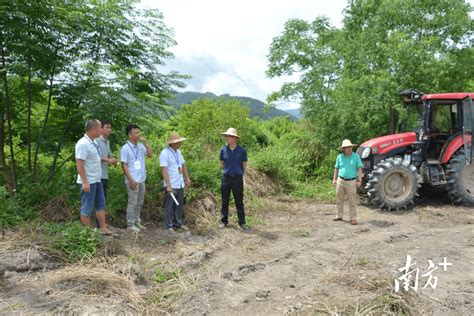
[435, 149]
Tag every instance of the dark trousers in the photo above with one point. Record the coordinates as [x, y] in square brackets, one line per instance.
[236, 185]
[173, 213]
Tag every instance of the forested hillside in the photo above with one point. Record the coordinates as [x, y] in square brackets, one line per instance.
[257, 107]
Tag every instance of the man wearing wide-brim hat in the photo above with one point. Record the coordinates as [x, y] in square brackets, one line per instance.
[347, 178]
[233, 162]
[175, 179]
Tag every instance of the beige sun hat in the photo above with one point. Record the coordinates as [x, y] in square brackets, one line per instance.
[175, 138]
[231, 132]
[346, 143]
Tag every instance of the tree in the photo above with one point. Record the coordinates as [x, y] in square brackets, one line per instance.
[62, 62]
[350, 77]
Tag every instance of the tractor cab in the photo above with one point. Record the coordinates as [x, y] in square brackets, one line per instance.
[441, 119]
[434, 147]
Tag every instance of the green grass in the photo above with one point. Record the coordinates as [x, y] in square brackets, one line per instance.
[362, 261]
[301, 232]
[253, 221]
[319, 189]
[73, 241]
[162, 275]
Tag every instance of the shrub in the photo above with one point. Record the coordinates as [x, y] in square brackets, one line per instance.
[13, 212]
[277, 162]
[204, 120]
[73, 241]
[326, 168]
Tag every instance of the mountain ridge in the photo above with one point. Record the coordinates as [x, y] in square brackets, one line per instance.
[257, 107]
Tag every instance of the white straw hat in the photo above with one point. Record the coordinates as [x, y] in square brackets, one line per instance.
[346, 143]
[231, 132]
[175, 138]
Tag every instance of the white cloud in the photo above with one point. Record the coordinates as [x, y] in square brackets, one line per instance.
[224, 44]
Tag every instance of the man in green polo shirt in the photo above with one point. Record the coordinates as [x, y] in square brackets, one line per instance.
[347, 178]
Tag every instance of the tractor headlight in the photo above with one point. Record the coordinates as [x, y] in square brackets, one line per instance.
[365, 153]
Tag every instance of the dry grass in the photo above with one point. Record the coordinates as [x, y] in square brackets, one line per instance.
[200, 214]
[374, 295]
[83, 283]
[388, 304]
[57, 210]
[259, 184]
[171, 285]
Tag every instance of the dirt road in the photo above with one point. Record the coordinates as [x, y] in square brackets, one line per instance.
[295, 260]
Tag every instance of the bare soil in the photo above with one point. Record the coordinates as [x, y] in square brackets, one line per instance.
[294, 260]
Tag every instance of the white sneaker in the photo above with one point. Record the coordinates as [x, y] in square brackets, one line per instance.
[184, 227]
[140, 226]
[134, 229]
[170, 230]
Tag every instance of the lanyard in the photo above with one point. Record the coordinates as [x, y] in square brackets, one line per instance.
[90, 141]
[176, 156]
[135, 154]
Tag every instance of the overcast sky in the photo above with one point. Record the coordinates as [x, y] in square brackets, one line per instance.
[223, 44]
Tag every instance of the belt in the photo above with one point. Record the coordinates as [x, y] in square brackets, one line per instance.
[346, 179]
[233, 175]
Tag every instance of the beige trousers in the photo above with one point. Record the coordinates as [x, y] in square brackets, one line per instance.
[346, 190]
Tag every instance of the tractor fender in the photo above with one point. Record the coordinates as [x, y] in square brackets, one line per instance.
[451, 146]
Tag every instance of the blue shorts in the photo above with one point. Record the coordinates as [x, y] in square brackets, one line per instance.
[94, 200]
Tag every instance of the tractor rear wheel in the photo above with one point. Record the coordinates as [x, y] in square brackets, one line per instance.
[393, 184]
[460, 178]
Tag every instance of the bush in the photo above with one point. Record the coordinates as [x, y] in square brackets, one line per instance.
[73, 241]
[203, 121]
[13, 212]
[278, 162]
[326, 168]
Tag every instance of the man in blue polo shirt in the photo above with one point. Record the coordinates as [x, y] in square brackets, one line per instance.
[132, 156]
[347, 178]
[233, 162]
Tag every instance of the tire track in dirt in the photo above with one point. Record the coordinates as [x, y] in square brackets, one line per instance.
[298, 261]
[285, 274]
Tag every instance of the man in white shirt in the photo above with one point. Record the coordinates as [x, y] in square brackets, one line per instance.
[174, 172]
[87, 155]
[132, 156]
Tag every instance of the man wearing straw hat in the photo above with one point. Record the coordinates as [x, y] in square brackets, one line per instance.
[347, 178]
[174, 172]
[233, 162]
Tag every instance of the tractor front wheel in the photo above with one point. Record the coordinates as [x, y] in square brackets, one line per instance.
[460, 178]
[393, 184]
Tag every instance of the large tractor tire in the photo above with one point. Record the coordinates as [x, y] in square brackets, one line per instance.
[460, 178]
[393, 184]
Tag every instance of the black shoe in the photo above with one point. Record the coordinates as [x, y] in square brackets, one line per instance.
[244, 227]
